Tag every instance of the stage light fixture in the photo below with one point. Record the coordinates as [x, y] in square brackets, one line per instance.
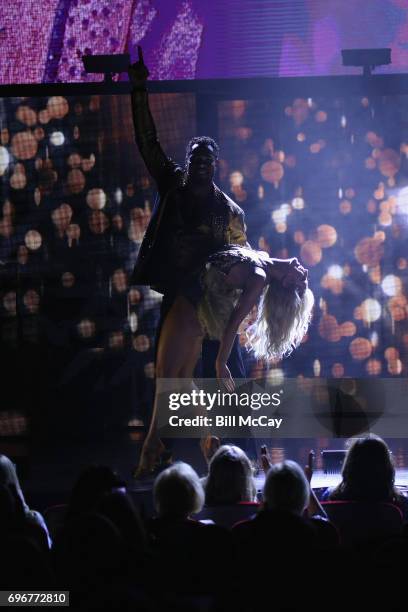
[368, 59]
[106, 64]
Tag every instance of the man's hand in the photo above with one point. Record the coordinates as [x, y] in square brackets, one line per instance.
[138, 72]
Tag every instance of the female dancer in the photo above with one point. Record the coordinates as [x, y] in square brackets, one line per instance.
[232, 282]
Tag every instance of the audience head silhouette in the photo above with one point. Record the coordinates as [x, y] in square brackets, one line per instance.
[286, 488]
[230, 478]
[178, 491]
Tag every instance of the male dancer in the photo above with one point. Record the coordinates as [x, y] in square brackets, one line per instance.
[192, 218]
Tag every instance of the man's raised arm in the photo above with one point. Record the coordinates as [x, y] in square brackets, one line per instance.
[160, 167]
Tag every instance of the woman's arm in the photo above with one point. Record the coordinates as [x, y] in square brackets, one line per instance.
[289, 272]
[250, 295]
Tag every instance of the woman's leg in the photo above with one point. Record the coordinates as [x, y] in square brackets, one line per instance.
[177, 354]
[180, 341]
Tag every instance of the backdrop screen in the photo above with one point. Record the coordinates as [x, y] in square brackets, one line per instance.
[321, 179]
[187, 39]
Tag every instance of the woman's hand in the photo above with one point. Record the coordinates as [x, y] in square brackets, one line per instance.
[209, 446]
[224, 375]
[138, 72]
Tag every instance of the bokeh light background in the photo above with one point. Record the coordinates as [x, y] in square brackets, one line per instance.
[325, 180]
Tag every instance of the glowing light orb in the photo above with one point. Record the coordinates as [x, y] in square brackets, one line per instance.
[76, 180]
[298, 203]
[391, 353]
[360, 349]
[118, 196]
[348, 329]
[4, 160]
[96, 199]
[10, 303]
[326, 236]
[57, 107]
[272, 171]
[98, 222]
[279, 216]
[133, 322]
[369, 251]
[236, 179]
[335, 271]
[116, 340]
[31, 301]
[329, 328]
[385, 219]
[370, 310]
[24, 145]
[33, 240]
[141, 343]
[338, 370]
[321, 116]
[299, 237]
[86, 328]
[88, 164]
[57, 139]
[19, 179]
[395, 367]
[397, 306]
[26, 115]
[391, 285]
[73, 232]
[275, 377]
[402, 201]
[74, 160]
[311, 252]
[389, 162]
[134, 296]
[374, 339]
[373, 367]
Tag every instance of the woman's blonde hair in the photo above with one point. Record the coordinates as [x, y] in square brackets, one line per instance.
[230, 477]
[282, 321]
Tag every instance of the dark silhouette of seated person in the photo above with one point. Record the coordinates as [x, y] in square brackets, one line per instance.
[189, 544]
[230, 491]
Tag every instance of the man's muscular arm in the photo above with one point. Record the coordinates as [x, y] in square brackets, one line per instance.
[160, 167]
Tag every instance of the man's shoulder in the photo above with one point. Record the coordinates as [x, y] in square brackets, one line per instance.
[171, 178]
